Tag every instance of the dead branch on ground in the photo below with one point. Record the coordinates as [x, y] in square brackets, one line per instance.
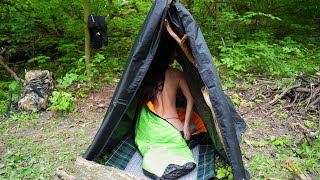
[304, 95]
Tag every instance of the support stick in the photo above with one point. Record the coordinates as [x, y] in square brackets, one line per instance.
[181, 42]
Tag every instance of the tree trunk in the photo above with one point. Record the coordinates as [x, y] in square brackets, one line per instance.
[87, 36]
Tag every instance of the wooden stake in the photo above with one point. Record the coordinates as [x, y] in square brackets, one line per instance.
[181, 42]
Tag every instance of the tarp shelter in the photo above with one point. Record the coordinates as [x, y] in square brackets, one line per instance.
[224, 126]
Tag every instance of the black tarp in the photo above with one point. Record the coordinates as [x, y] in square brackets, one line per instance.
[119, 118]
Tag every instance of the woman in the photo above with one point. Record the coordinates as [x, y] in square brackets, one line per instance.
[160, 87]
[165, 152]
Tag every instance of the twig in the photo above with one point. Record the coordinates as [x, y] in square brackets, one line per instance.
[282, 94]
[296, 171]
[303, 79]
[314, 134]
[306, 133]
[315, 101]
[307, 90]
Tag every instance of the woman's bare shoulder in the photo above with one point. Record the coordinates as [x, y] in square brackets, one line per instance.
[175, 71]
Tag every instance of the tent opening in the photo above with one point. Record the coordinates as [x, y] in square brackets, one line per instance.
[224, 125]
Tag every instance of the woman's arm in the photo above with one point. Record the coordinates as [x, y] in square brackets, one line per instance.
[186, 92]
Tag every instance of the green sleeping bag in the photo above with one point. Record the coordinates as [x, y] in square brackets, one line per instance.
[165, 152]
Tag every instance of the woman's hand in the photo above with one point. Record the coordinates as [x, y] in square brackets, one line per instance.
[186, 132]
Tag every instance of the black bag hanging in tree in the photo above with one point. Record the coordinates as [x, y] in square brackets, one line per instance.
[98, 31]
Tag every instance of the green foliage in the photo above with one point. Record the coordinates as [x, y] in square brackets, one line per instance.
[67, 48]
[40, 60]
[228, 83]
[224, 173]
[23, 116]
[95, 62]
[301, 159]
[249, 16]
[260, 56]
[222, 170]
[61, 101]
[39, 146]
[245, 37]
[275, 142]
[8, 169]
[262, 166]
[68, 80]
[5, 89]
[310, 155]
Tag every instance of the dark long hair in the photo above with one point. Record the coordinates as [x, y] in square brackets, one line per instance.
[153, 81]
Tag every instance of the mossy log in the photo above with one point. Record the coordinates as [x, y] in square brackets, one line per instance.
[84, 169]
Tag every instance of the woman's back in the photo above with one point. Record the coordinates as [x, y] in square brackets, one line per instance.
[165, 101]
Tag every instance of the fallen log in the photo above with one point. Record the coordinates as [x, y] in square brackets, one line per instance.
[84, 169]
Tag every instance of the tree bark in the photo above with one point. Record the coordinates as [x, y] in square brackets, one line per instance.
[87, 36]
[84, 169]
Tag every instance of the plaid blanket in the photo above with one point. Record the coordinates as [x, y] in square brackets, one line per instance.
[124, 151]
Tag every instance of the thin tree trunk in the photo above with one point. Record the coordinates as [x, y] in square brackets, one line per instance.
[87, 36]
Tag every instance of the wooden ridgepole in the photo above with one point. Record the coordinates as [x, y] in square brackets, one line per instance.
[87, 36]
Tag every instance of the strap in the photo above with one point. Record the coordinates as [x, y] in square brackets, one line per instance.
[36, 90]
[7, 113]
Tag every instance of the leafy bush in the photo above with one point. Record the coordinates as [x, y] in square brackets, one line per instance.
[260, 55]
[5, 89]
[61, 101]
[39, 59]
[222, 169]
[69, 79]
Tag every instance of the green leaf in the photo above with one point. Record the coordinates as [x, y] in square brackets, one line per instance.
[221, 173]
[26, 171]
[13, 85]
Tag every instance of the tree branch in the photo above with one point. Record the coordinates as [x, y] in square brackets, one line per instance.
[282, 94]
[7, 68]
[181, 42]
